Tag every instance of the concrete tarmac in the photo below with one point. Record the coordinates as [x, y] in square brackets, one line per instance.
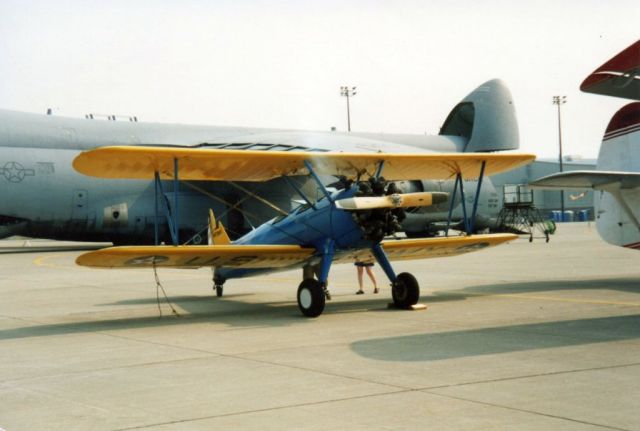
[524, 336]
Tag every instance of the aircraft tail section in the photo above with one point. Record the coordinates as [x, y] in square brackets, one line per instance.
[617, 179]
[620, 149]
[618, 77]
[217, 234]
[486, 117]
[618, 211]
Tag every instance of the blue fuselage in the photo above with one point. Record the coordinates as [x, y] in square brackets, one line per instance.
[308, 227]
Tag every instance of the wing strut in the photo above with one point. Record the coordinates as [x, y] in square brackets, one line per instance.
[379, 170]
[176, 186]
[476, 199]
[171, 211]
[463, 200]
[451, 203]
[468, 222]
[299, 191]
[313, 174]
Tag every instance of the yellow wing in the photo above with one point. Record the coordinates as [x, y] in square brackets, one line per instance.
[247, 165]
[278, 256]
[425, 248]
[196, 256]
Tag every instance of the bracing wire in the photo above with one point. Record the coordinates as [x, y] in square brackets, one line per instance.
[160, 287]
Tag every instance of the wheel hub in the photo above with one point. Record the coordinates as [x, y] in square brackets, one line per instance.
[305, 298]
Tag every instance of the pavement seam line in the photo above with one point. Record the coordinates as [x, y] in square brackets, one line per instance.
[484, 403]
[529, 376]
[11, 382]
[245, 412]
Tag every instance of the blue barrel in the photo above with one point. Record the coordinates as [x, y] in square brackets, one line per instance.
[557, 216]
[583, 215]
[567, 216]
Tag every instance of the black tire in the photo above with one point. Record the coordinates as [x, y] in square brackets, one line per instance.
[219, 290]
[405, 291]
[311, 297]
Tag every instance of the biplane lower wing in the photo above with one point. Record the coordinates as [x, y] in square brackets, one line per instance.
[278, 256]
[425, 248]
[197, 256]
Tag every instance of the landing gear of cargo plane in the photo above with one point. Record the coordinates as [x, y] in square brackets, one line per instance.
[405, 290]
[311, 297]
[219, 289]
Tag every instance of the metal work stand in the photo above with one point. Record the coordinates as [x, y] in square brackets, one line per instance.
[519, 215]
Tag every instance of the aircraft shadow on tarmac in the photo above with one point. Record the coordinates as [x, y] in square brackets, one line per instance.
[236, 311]
[511, 338]
[229, 310]
[630, 284]
[503, 339]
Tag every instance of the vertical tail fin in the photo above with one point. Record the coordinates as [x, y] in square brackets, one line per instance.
[217, 235]
[618, 212]
[486, 118]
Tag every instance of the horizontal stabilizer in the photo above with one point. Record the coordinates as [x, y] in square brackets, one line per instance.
[597, 180]
[396, 200]
[278, 256]
[618, 77]
[141, 162]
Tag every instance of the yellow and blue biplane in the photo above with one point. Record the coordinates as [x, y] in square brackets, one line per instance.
[347, 224]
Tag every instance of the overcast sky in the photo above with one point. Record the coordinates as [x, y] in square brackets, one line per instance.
[281, 63]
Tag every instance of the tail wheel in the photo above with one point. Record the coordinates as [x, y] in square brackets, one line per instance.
[405, 290]
[311, 297]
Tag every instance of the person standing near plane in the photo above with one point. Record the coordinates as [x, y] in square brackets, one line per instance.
[361, 267]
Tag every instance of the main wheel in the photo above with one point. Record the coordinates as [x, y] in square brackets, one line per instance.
[311, 297]
[219, 289]
[405, 291]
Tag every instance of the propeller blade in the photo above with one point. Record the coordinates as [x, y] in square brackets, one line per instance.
[396, 200]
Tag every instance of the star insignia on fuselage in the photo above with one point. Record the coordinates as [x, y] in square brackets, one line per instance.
[14, 172]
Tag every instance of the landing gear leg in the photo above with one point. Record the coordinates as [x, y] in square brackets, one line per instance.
[218, 284]
[313, 293]
[325, 265]
[313, 271]
[405, 290]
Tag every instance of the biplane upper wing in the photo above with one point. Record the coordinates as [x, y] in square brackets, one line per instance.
[141, 162]
[278, 256]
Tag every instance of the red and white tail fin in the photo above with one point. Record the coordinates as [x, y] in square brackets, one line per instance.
[618, 211]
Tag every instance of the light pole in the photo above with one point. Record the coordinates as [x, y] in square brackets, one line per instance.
[560, 100]
[348, 92]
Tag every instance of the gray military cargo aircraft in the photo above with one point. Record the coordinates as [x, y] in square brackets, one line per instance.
[42, 196]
